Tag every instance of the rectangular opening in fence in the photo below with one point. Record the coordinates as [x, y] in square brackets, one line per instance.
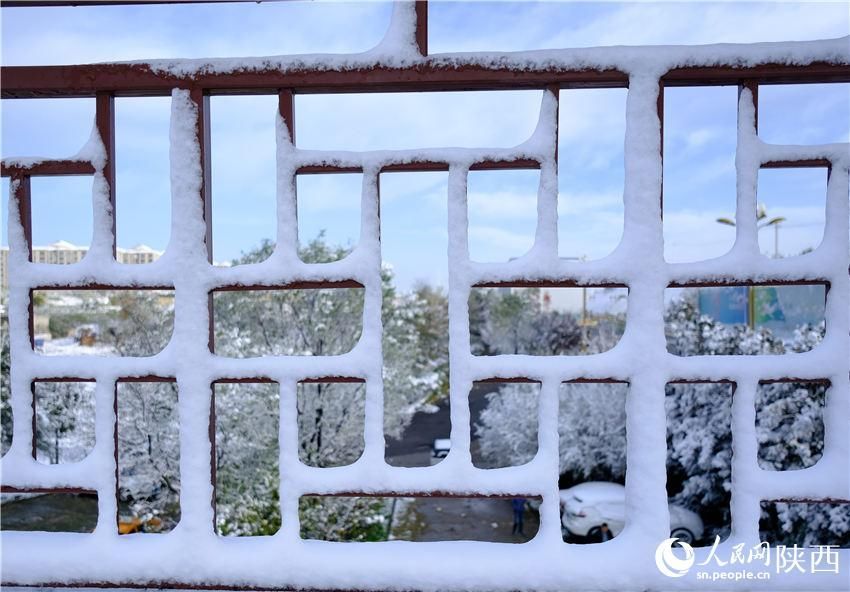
[807, 524]
[591, 132]
[45, 127]
[804, 113]
[700, 142]
[49, 512]
[247, 496]
[62, 219]
[502, 213]
[503, 423]
[545, 321]
[148, 457]
[317, 28]
[791, 211]
[243, 173]
[420, 439]
[102, 322]
[519, 26]
[64, 414]
[414, 223]
[331, 421]
[789, 424]
[400, 121]
[744, 320]
[500, 26]
[142, 178]
[414, 242]
[591, 460]
[328, 215]
[287, 322]
[431, 518]
[699, 460]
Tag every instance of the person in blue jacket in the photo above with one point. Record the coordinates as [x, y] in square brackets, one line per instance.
[518, 504]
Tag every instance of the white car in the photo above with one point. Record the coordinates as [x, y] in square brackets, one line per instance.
[585, 507]
[441, 447]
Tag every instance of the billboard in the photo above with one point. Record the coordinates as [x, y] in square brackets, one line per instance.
[779, 308]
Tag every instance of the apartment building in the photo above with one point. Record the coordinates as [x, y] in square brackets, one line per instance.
[65, 253]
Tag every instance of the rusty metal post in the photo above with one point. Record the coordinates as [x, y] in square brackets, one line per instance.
[659, 109]
[105, 122]
[422, 26]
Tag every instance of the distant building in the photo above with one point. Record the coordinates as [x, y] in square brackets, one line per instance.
[138, 254]
[65, 253]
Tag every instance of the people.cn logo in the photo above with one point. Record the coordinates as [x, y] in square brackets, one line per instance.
[667, 561]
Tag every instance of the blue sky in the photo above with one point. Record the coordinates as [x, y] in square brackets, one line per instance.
[699, 127]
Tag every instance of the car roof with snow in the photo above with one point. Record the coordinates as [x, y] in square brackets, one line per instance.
[595, 491]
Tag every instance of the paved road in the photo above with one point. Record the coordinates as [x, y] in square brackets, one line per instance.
[52, 513]
[456, 519]
[415, 445]
[450, 519]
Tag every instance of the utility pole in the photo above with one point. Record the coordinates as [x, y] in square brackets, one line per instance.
[585, 321]
[776, 240]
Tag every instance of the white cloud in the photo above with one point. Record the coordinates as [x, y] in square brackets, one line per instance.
[330, 193]
[416, 120]
[696, 139]
[114, 33]
[504, 205]
[488, 243]
[578, 204]
[707, 22]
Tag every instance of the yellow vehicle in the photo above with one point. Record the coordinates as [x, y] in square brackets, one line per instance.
[136, 524]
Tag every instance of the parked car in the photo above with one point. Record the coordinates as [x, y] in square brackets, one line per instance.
[585, 507]
[441, 447]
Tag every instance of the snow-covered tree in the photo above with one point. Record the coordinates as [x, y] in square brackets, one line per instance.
[592, 432]
[591, 421]
[330, 423]
[514, 321]
[330, 415]
[699, 416]
[343, 518]
[149, 449]
[246, 456]
[289, 322]
[789, 424]
[142, 324]
[148, 430]
[507, 427]
[416, 353]
[592, 428]
[64, 421]
[5, 387]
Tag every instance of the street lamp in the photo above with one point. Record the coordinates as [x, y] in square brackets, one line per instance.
[763, 222]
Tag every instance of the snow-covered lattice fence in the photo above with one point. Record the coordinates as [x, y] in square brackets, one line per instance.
[193, 555]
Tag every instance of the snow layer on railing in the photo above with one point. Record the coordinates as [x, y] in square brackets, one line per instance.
[193, 554]
[628, 59]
